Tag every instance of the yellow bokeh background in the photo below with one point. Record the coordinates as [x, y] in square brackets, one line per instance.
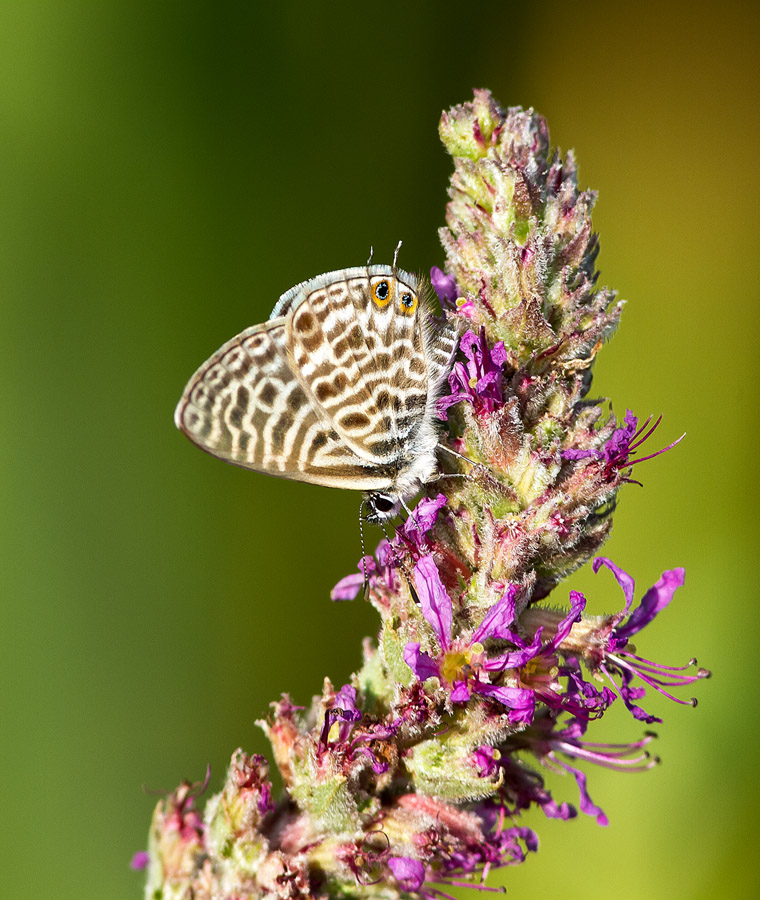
[166, 171]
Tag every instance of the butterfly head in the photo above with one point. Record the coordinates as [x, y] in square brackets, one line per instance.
[382, 505]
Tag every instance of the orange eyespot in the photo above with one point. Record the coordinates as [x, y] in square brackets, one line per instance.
[407, 303]
[382, 292]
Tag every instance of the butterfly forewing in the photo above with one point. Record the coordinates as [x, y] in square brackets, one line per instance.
[361, 356]
[245, 405]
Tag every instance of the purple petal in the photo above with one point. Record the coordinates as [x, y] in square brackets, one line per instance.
[629, 422]
[656, 598]
[499, 617]
[443, 403]
[470, 345]
[420, 663]
[488, 379]
[577, 605]
[347, 588]
[423, 518]
[378, 766]
[580, 454]
[460, 692]
[515, 659]
[499, 355]
[618, 446]
[623, 578]
[444, 285]
[345, 698]
[343, 708]
[410, 873]
[485, 759]
[520, 701]
[434, 601]
[140, 860]
[587, 805]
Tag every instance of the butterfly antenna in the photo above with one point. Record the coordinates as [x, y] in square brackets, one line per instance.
[395, 257]
[365, 589]
[459, 455]
[371, 254]
[441, 475]
[414, 519]
[401, 564]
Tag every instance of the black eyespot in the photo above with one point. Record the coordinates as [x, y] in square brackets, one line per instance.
[406, 299]
[382, 503]
[381, 290]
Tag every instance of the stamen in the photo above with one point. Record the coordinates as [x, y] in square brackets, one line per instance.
[652, 682]
[456, 453]
[652, 455]
[639, 763]
[469, 885]
[651, 431]
[395, 257]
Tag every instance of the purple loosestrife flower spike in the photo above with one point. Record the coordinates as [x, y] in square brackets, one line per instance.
[409, 780]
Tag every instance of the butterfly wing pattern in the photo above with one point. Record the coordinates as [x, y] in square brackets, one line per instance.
[337, 388]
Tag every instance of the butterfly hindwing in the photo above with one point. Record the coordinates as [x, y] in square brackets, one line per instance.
[245, 406]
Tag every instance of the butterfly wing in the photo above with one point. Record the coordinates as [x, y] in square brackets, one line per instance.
[245, 406]
[358, 348]
[441, 350]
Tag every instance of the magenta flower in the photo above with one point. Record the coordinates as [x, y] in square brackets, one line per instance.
[378, 571]
[617, 451]
[413, 532]
[619, 629]
[475, 842]
[480, 381]
[343, 710]
[522, 787]
[352, 739]
[550, 742]
[445, 286]
[410, 873]
[462, 664]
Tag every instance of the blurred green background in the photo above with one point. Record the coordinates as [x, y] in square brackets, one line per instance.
[167, 170]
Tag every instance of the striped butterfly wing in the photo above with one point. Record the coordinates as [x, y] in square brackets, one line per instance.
[245, 406]
[358, 348]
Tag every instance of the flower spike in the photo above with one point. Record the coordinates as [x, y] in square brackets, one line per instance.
[408, 781]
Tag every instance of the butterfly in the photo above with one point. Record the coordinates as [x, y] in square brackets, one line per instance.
[337, 388]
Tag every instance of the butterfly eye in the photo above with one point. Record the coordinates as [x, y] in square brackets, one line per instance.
[381, 293]
[382, 503]
[408, 303]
